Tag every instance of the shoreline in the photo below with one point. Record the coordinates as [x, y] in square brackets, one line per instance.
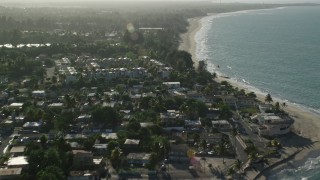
[306, 123]
[187, 42]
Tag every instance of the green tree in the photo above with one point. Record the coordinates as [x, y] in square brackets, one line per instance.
[202, 65]
[237, 164]
[111, 146]
[222, 148]
[133, 125]
[180, 60]
[106, 116]
[251, 151]
[234, 134]
[231, 171]
[268, 98]
[51, 173]
[284, 104]
[36, 160]
[116, 157]
[154, 159]
[52, 157]
[252, 94]
[277, 107]
[43, 140]
[225, 112]
[203, 144]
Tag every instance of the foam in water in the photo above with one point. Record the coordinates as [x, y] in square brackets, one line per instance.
[308, 171]
[204, 52]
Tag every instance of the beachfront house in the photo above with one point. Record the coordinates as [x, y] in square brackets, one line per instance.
[172, 85]
[138, 159]
[221, 125]
[171, 118]
[273, 125]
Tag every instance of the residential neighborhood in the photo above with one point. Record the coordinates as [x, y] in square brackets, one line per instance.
[116, 119]
[117, 90]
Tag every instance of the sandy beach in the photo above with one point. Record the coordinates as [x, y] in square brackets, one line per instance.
[187, 39]
[306, 134]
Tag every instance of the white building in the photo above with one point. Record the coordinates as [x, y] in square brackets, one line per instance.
[38, 94]
[272, 125]
[17, 162]
[63, 63]
[222, 125]
[71, 75]
[172, 85]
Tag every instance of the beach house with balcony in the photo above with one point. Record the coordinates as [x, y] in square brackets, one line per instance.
[273, 125]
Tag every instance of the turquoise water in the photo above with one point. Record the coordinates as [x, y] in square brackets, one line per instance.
[274, 51]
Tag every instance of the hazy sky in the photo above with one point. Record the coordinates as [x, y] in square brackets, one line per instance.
[245, 1]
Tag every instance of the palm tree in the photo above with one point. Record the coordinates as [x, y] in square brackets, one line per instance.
[234, 133]
[203, 144]
[231, 171]
[237, 165]
[222, 149]
[268, 98]
[116, 157]
[277, 107]
[284, 105]
[204, 163]
[251, 152]
[214, 75]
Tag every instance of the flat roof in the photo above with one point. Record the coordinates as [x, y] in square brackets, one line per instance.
[56, 105]
[220, 122]
[32, 124]
[38, 92]
[10, 171]
[109, 135]
[132, 141]
[17, 149]
[100, 146]
[171, 83]
[18, 161]
[16, 105]
[141, 156]
[80, 152]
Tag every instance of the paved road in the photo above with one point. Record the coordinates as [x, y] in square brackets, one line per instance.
[5, 143]
[185, 174]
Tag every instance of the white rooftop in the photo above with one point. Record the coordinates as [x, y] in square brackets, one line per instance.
[18, 161]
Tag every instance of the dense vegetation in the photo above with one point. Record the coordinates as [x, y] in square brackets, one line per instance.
[73, 32]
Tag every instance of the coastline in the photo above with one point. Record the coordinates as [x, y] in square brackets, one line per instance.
[187, 42]
[306, 126]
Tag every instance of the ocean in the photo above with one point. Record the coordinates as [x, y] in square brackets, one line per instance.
[274, 51]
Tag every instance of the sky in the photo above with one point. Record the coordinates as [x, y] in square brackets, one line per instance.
[244, 1]
[28, 2]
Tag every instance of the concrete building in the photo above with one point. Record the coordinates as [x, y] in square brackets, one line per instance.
[38, 94]
[17, 162]
[273, 125]
[172, 85]
[10, 173]
[138, 159]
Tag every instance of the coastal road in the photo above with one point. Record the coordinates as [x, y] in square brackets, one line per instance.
[185, 174]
